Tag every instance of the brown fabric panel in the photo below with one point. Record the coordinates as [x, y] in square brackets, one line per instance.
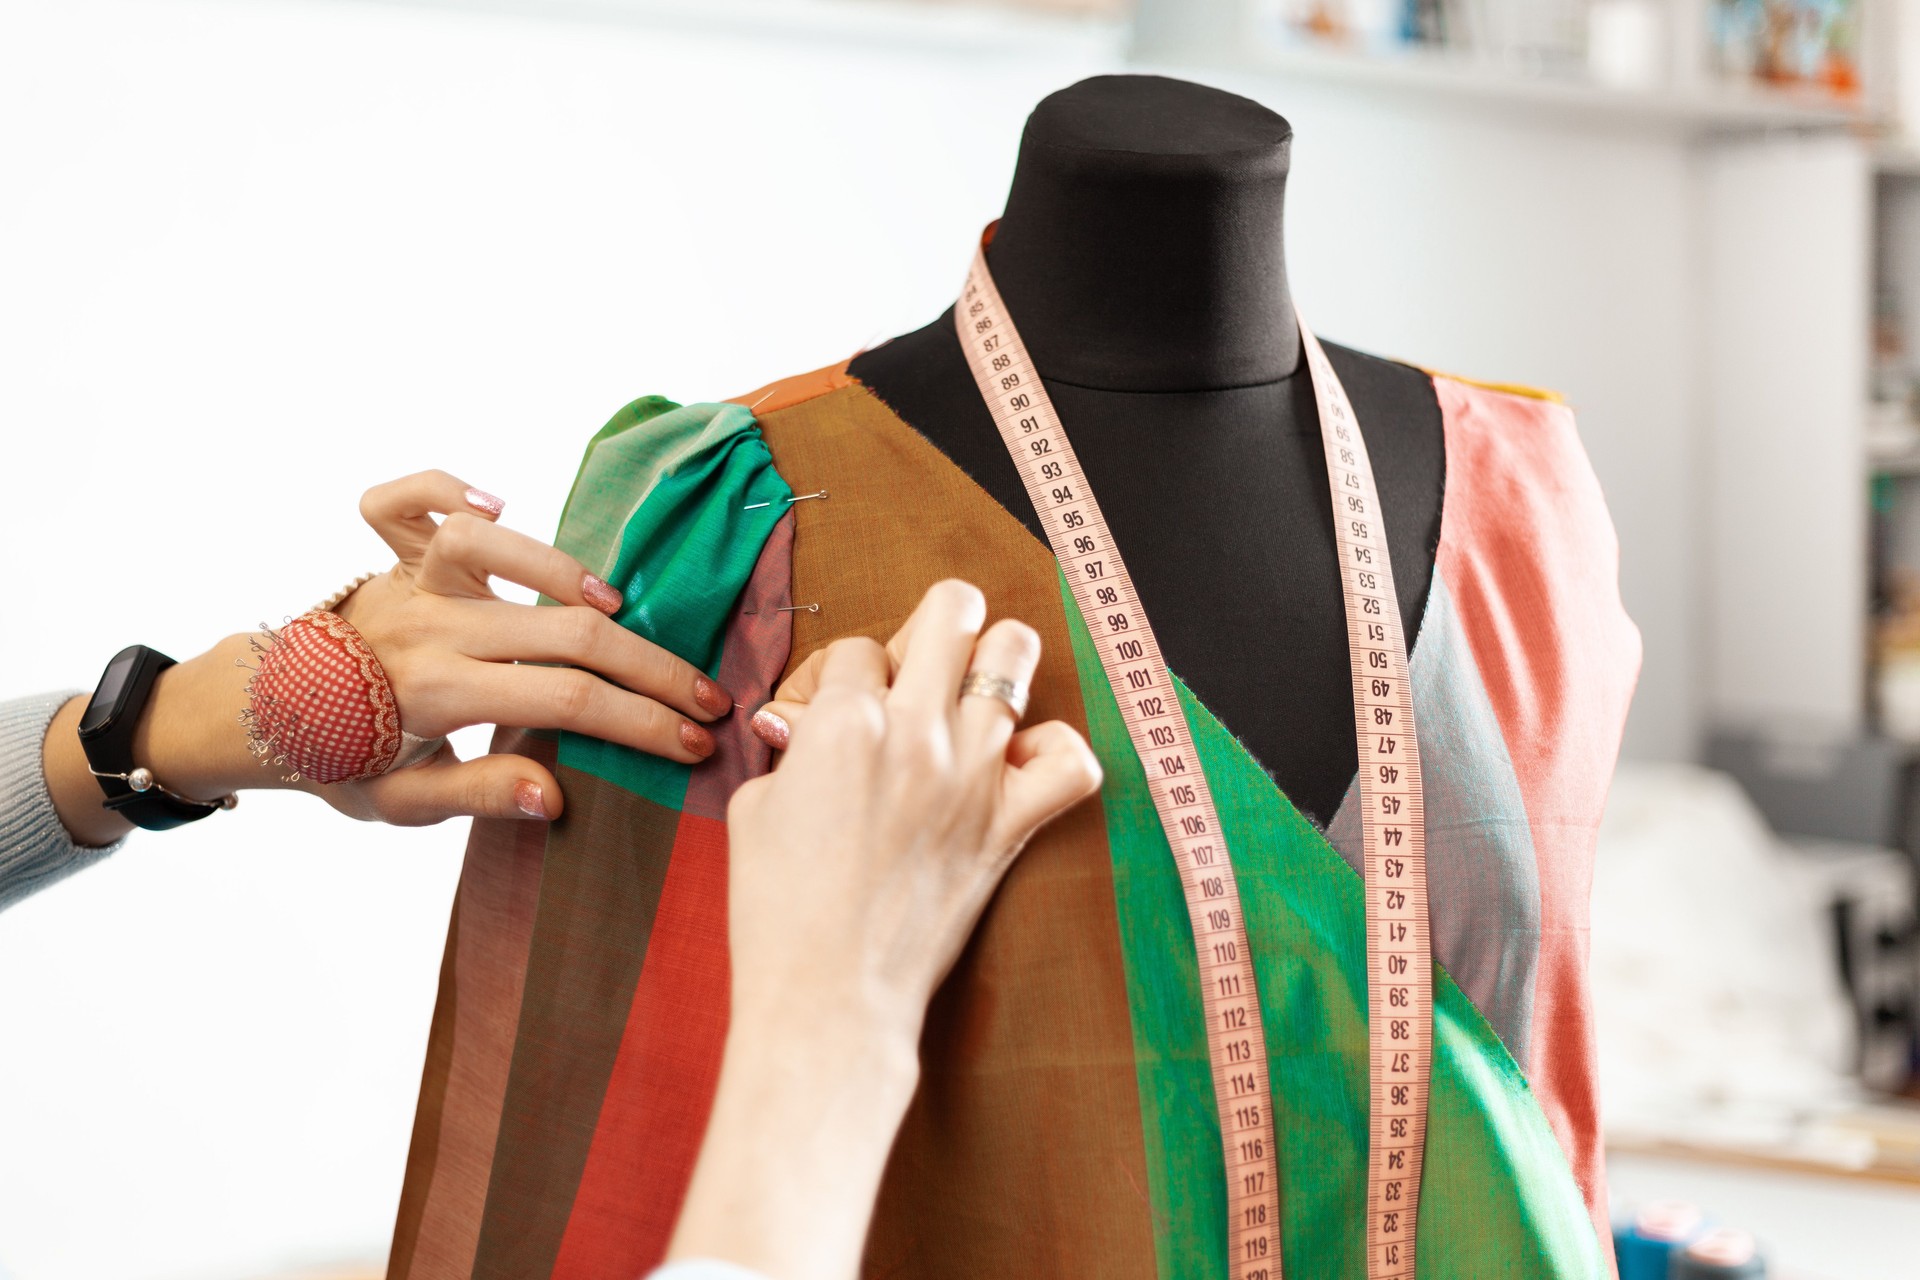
[472, 1045]
[1028, 1080]
[606, 860]
[423, 1150]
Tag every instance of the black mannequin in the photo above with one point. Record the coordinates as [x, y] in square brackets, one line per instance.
[1141, 257]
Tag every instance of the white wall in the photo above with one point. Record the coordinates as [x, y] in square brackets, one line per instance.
[1787, 271]
[254, 257]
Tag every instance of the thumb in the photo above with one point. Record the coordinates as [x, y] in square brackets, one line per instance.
[775, 721]
[444, 786]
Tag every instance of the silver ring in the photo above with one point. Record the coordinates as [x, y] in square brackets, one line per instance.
[989, 684]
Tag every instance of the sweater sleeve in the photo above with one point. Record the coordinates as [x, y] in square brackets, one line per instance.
[35, 849]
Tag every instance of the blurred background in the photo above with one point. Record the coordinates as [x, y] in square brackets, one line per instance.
[257, 256]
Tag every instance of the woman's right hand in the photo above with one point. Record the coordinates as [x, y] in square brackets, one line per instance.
[856, 872]
[862, 863]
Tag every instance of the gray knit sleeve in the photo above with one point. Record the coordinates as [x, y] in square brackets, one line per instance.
[35, 849]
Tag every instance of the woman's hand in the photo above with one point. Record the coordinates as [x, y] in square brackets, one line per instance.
[858, 870]
[456, 655]
[450, 646]
[898, 807]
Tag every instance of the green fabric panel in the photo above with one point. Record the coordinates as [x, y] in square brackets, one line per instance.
[1498, 1198]
[661, 511]
[631, 416]
[1178, 1116]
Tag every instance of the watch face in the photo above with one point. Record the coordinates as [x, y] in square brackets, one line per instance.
[106, 700]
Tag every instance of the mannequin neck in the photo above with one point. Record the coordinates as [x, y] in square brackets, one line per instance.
[1141, 249]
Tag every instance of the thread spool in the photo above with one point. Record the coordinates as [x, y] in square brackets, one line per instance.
[1646, 1247]
[1720, 1254]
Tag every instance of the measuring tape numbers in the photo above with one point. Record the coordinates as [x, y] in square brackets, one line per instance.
[1394, 837]
[1399, 970]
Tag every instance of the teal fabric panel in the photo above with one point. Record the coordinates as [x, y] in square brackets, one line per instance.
[671, 507]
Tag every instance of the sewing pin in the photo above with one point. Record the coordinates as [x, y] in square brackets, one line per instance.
[755, 506]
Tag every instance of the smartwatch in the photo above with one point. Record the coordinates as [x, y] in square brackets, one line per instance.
[106, 736]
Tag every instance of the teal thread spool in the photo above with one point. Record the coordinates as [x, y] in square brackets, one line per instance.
[1646, 1246]
[1719, 1255]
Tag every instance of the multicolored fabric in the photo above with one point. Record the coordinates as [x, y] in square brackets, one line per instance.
[1065, 1122]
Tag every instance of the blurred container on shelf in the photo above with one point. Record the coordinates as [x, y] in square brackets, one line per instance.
[1627, 43]
[1540, 37]
[1897, 655]
[1379, 26]
[1892, 384]
[1893, 436]
[1802, 43]
[1738, 63]
[1545, 36]
[1720, 1254]
[1673, 1240]
[1646, 1242]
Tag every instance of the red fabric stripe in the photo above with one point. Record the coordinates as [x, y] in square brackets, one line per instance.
[661, 1091]
[1529, 554]
[655, 1109]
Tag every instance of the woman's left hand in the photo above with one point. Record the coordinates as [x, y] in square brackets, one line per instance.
[458, 655]
[455, 654]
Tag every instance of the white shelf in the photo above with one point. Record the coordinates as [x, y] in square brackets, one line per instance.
[1005, 30]
[968, 28]
[1709, 109]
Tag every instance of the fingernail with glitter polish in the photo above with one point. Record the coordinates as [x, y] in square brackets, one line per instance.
[531, 800]
[771, 729]
[600, 595]
[713, 700]
[482, 501]
[696, 739]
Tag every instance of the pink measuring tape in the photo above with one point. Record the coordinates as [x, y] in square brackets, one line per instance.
[1399, 958]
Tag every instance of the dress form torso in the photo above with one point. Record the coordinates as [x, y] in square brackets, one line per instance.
[1141, 257]
[583, 1008]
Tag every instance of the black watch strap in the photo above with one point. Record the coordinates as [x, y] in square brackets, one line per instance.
[107, 727]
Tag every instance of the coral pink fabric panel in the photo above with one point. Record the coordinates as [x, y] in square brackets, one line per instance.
[1529, 555]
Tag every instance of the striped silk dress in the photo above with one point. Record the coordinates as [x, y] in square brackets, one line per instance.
[1065, 1122]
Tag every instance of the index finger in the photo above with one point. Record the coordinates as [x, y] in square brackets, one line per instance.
[401, 511]
[940, 639]
[496, 631]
